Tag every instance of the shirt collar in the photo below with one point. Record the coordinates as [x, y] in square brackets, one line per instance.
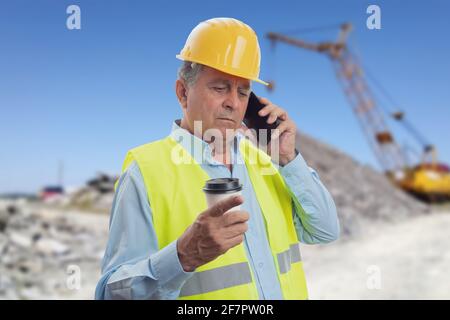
[198, 148]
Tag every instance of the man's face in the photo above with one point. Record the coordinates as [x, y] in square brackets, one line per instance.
[217, 99]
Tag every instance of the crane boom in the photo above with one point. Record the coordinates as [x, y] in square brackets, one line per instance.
[358, 93]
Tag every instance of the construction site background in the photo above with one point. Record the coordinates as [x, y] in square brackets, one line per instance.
[83, 97]
[392, 246]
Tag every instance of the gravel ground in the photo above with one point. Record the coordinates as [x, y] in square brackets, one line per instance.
[50, 254]
[407, 260]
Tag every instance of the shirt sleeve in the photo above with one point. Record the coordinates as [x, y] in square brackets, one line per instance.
[314, 211]
[133, 267]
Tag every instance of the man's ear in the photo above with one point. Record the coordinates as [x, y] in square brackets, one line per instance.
[181, 92]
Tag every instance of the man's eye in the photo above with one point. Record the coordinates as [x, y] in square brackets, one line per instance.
[219, 89]
[243, 94]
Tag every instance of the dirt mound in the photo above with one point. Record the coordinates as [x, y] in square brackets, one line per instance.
[360, 192]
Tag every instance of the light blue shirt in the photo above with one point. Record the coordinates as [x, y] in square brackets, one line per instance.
[134, 268]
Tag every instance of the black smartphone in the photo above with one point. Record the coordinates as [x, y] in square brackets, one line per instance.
[254, 121]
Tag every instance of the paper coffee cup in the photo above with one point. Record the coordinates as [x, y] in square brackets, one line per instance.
[221, 188]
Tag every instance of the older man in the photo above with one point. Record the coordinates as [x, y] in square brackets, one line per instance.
[165, 243]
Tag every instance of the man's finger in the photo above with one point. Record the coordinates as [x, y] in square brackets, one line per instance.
[276, 113]
[235, 230]
[234, 217]
[272, 118]
[233, 242]
[267, 109]
[224, 205]
[283, 126]
[264, 100]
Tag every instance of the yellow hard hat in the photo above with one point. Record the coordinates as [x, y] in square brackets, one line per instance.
[225, 44]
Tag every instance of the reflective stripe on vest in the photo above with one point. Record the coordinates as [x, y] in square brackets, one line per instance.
[176, 198]
[286, 258]
[216, 279]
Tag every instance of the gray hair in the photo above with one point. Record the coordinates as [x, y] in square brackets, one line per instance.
[189, 72]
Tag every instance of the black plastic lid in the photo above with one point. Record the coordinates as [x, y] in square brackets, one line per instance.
[222, 185]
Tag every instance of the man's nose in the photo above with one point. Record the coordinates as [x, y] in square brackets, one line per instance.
[232, 100]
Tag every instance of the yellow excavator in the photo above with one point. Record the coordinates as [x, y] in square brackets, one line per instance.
[426, 179]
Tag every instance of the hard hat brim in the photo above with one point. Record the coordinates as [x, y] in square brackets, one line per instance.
[180, 57]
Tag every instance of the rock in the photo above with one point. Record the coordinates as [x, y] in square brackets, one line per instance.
[7, 288]
[3, 245]
[3, 223]
[51, 247]
[20, 239]
[11, 209]
[32, 293]
[34, 266]
[36, 236]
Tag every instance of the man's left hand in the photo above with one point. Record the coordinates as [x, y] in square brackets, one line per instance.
[284, 135]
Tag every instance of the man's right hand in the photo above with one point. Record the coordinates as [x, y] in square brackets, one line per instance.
[212, 234]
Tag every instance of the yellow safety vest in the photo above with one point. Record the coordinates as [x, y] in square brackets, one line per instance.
[174, 190]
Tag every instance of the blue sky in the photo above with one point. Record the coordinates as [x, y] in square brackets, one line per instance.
[86, 96]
